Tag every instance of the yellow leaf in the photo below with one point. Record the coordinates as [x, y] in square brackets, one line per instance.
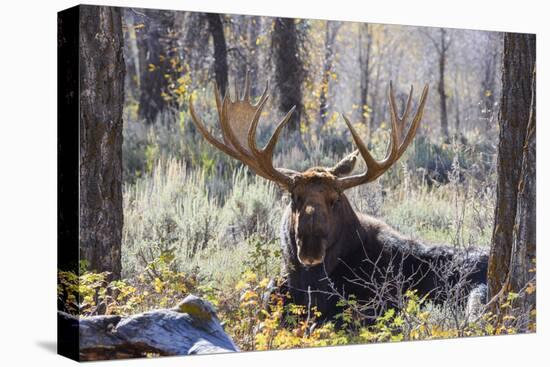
[249, 276]
[241, 285]
[264, 282]
[159, 286]
[248, 295]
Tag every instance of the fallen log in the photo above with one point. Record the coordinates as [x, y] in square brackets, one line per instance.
[192, 327]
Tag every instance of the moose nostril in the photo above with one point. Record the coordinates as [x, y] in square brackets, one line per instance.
[307, 263]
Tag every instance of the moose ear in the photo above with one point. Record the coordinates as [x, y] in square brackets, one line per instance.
[345, 166]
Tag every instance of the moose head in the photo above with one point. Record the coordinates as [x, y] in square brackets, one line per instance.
[320, 212]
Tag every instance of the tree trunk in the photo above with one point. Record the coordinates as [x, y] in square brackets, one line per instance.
[441, 86]
[195, 35]
[488, 84]
[522, 261]
[330, 35]
[131, 53]
[289, 70]
[154, 63]
[215, 26]
[364, 64]
[457, 106]
[457, 115]
[374, 100]
[254, 28]
[514, 229]
[101, 102]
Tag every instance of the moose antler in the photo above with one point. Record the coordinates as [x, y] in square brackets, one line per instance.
[396, 147]
[238, 121]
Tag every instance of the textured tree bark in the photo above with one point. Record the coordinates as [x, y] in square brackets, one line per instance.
[514, 228]
[215, 27]
[289, 70]
[522, 261]
[101, 101]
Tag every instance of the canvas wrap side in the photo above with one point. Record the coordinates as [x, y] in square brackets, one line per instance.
[67, 163]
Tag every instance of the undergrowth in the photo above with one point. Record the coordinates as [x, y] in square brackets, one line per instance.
[258, 317]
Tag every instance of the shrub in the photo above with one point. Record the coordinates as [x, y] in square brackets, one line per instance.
[252, 206]
[168, 210]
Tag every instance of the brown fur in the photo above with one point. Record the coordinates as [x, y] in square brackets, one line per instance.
[325, 243]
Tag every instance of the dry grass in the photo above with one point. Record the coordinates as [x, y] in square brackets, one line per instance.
[207, 212]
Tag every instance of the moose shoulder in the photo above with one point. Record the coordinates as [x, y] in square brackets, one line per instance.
[330, 251]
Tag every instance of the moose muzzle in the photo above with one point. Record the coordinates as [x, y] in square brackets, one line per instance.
[311, 250]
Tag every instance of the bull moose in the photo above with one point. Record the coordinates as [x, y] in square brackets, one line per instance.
[331, 251]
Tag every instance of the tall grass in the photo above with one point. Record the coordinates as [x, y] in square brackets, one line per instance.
[182, 195]
[172, 209]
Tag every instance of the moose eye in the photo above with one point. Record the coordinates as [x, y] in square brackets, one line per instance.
[334, 202]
